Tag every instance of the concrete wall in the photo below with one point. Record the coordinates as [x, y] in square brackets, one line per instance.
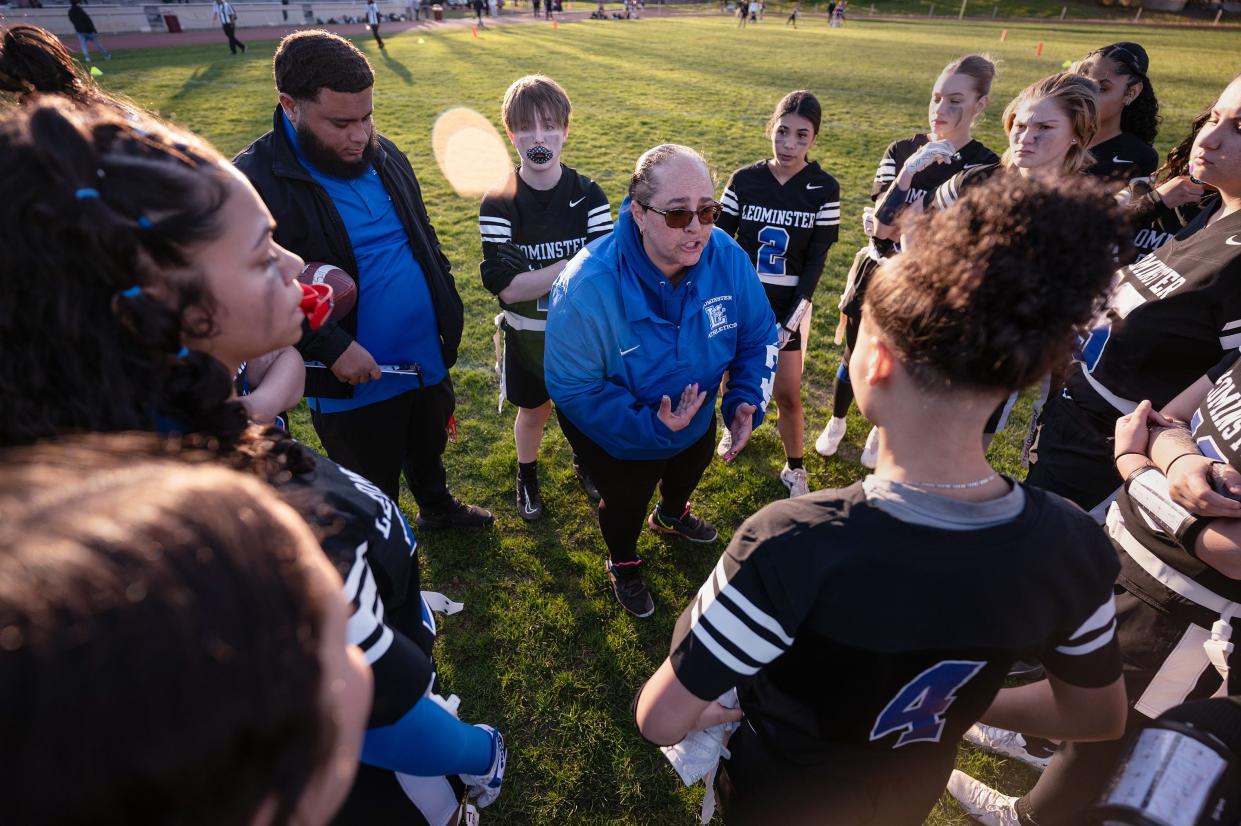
[150, 17]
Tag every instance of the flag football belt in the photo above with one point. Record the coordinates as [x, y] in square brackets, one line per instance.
[1218, 647]
[520, 322]
[779, 280]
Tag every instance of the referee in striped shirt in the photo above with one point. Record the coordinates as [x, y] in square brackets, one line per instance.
[227, 15]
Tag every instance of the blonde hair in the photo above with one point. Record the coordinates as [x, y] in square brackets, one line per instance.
[1078, 97]
[533, 96]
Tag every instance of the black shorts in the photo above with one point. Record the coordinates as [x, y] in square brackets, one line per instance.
[523, 386]
[1072, 457]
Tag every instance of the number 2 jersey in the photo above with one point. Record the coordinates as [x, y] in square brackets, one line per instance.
[548, 225]
[867, 628]
[1170, 318]
[785, 229]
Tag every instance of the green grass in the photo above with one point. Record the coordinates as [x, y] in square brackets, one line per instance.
[541, 649]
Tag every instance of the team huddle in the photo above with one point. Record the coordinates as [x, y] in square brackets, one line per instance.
[250, 613]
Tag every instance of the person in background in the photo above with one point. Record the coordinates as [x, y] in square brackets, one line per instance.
[84, 27]
[226, 16]
[373, 19]
[1128, 112]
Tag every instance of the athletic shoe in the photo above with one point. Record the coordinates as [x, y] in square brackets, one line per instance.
[630, 592]
[982, 802]
[687, 527]
[795, 480]
[457, 515]
[1007, 744]
[829, 439]
[587, 483]
[1026, 670]
[870, 453]
[484, 788]
[529, 502]
[725, 445]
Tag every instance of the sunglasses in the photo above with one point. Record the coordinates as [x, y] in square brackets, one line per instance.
[680, 218]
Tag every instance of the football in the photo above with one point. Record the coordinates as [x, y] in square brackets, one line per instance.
[344, 288]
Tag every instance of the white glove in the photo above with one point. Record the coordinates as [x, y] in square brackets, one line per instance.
[933, 152]
[868, 221]
[698, 755]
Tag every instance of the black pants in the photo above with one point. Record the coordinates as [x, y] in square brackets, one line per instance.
[375, 32]
[758, 788]
[625, 485]
[230, 31]
[403, 434]
[1072, 455]
[842, 386]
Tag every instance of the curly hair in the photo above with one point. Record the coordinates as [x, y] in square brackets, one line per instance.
[33, 61]
[1078, 97]
[195, 633]
[1177, 161]
[989, 297]
[98, 216]
[1141, 117]
[310, 60]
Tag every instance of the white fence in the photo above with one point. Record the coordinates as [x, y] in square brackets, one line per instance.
[151, 17]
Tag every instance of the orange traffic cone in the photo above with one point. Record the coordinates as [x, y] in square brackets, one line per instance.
[1004, 35]
[555, 24]
[474, 31]
[1038, 50]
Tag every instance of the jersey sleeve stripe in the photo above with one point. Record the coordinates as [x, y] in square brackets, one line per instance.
[494, 219]
[604, 208]
[1231, 342]
[726, 659]
[604, 220]
[729, 199]
[1109, 632]
[1232, 325]
[718, 584]
[364, 628]
[740, 634]
[1104, 614]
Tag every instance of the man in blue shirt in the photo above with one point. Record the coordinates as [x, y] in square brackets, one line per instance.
[343, 194]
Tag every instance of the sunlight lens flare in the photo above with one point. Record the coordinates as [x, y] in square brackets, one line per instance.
[470, 151]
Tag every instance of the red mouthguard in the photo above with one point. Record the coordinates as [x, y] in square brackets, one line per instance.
[316, 303]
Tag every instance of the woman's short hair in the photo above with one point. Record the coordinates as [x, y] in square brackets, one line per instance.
[991, 294]
[160, 635]
[1078, 98]
[644, 183]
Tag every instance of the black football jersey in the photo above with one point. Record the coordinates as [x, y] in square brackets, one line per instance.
[952, 189]
[369, 543]
[1169, 319]
[548, 225]
[924, 184]
[786, 229]
[857, 639]
[1124, 157]
[1155, 223]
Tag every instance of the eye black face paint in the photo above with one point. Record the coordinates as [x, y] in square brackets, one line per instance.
[953, 114]
[539, 154]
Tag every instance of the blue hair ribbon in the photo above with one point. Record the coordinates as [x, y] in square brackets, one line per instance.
[144, 222]
[184, 352]
[86, 193]
[132, 292]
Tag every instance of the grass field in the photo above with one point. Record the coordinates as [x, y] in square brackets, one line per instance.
[542, 650]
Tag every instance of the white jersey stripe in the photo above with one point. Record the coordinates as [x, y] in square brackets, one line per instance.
[726, 659]
[601, 208]
[1101, 617]
[752, 612]
[1088, 647]
[1231, 342]
[738, 633]
[494, 219]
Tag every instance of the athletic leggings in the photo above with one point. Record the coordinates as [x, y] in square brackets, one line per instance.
[842, 388]
[625, 485]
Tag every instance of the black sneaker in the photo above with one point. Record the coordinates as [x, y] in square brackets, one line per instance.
[587, 484]
[631, 592]
[687, 527]
[529, 502]
[457, 515]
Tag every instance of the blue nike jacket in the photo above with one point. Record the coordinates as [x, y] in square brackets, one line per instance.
[620, 338]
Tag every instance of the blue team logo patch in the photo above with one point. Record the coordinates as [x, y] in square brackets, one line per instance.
[717, 315]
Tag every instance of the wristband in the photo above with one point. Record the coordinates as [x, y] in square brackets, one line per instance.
[1148, 490]
[1182, 456]
[1136, 473]
[1116, 459]
[892, 204]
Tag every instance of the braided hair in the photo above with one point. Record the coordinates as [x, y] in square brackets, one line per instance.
[98, 217]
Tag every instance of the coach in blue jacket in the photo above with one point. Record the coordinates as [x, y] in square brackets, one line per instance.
[643, 324]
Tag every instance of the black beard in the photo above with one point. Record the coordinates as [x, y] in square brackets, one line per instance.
[324, 159]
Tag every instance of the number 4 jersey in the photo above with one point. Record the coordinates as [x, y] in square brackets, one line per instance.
[1170, 318]
[786, 229]
[867, 628]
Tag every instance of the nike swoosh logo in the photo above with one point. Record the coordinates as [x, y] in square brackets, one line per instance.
[1232, 241]
[970, 166]
[1119, 160]
[575, 203]
[630, 350]
[529, 509]
[811, 186]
